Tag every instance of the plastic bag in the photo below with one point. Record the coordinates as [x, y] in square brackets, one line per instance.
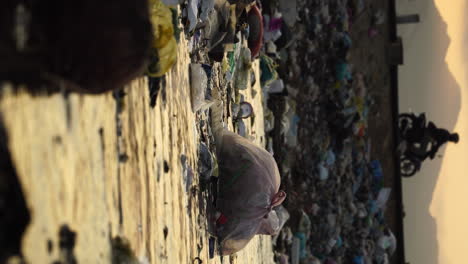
[268, 71]
[275, 221]
[164, 50]
[248, 193]
[200, 86]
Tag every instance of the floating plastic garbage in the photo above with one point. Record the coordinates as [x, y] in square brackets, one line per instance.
[249, 184]
[164, 50]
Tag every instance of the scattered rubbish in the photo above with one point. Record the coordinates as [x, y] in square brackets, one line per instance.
[305, 224]
[171, 2]
[200, 75]
[242, 71]
[245, 110]
[323, 172]
[192, 14]
[382, 197]
[288, 9]
[241, 128]
[272, 28]
[378, 18]
[282, 258]
[187, 173]
[319, 115]
[207, 7]
[164, 49]
[205, 161]
[255, 21]
[276, 220]
[302, 239]
[295, 250]
[277, 86]
[211, 246]
[267, 70]
[387, 242]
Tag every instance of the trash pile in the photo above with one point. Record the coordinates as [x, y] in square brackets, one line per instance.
[224, 38]
[337, 194]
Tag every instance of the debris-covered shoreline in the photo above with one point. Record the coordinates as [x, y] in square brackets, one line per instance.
[332, 171]
[305, 80]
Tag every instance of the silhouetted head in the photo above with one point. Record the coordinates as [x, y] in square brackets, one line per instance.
[454, 138]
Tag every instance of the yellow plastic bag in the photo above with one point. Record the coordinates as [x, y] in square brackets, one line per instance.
[164, 50]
